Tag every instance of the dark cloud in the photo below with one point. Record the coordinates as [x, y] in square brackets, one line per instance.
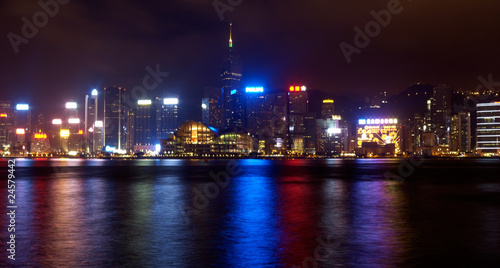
[98, 43]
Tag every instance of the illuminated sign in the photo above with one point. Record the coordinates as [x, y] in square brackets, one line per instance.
[334, 130]
[384, 121]
[74, 120]
[56, 121]
[22, 107]
[94, 92]
[297, 88]
[336, 117]
[80, 132]
[171, 101]
[3, 115]
[254, 89]
[40, 136]
[64, 133]
[20, 131]
[71, 105]
[380, 134]
[98, 124]
[328, 101]
[233, 91]
[144, 102]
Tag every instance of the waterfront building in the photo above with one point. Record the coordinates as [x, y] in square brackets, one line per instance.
[488, 128]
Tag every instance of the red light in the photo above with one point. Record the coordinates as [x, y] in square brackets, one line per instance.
[297, 88]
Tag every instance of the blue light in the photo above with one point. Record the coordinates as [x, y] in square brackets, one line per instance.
[254, 90]
[157, 147]
[362, 121]
[233, 91]
[110, 149]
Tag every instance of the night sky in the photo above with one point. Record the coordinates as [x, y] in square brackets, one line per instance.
[93, 44]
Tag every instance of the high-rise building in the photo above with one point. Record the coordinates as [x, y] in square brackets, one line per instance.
[460, 132]
[258, 110]
[114, 118]
[488, 128]
[145, 123]
[22, 124]
[441, 114]
[167, 117]
[327, 109]
[6, 125]
[213, 107]
[98, 136]
[231, 75]
[297, 105]
[91, 113]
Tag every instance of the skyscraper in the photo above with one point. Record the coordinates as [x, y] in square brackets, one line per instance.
[297, 104]
[166, 117]
[6, 125]
[488, 128]
[441, 114]
[91, 111]
[144, 126]
[114, 118]
[327, 109]
[231, 74]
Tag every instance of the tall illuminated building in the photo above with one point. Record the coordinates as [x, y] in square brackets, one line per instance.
[114, 118]
[167, 117]
[91, 112]
[441, 114]
[297, 109]
[231, 74]
[71, 110]
[55, 135]
[97, 143]
[488, 128]
[22, 120]
[145, 123]
[258, 110]
[212, 107]
[460, 132]
[6, 125]
[327, 109]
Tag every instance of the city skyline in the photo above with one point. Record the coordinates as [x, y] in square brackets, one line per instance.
[72, 54]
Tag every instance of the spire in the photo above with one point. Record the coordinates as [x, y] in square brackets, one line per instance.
[230, 35]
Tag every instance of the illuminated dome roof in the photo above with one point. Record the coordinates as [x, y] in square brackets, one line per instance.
[193, 132]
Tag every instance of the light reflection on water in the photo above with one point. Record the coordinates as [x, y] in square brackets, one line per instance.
[103, 213]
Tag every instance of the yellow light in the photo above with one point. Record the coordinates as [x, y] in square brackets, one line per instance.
[64, 133]
[328, 101]
[20, 131]
[3, 115]
[40, 136]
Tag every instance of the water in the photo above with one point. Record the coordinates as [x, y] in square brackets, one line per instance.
[266, 213]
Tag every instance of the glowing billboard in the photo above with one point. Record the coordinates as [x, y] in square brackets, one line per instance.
[98, 124]
[74, 120]
[56, 121]
[378, 121]
[380, 134]
[64, 133]
[71, 105]
[170, 101]
[144, 102]
[254, 90]
[20, 131]
[22, 107]
[41, 136]
[3, 115]
[297, 88]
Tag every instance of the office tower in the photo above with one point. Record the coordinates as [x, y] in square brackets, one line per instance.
[310, 135]
[460, 132]
[6, 125]
[145, 123]
[98, 136]
[91, 112]
[231, 88]
[213, 107]
[297, 104]
[258, 110]
[441, 114]
[332, 135]
[166, 117]
[22, 125]
[488, 128]
[55, 135]
[114, 118]
[327, 109]
[71, 110]
[130, 129]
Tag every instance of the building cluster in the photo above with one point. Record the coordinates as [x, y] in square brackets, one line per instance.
[253, 120]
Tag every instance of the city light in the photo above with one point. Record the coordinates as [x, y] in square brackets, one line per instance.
[3, 115]
[233, 91]
[98, 124]
[170, 101]
[40, 136]
[64, 133]
[94, 92]
[328, 101]
[71, 105]
[204, 106]
[144, 102]
[254, 90]
[157, 147]
[56, 121]
[333, 130]
[91, 130]
[22, 107]
[74, 120]
[72, 153]
[80, 132]
[20, 131]
[378, 121]
[297, 88]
